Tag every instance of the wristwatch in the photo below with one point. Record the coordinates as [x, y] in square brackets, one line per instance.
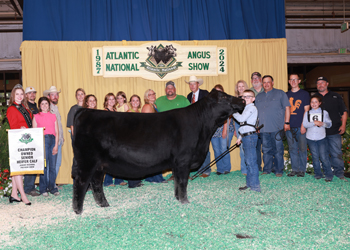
[287, 123]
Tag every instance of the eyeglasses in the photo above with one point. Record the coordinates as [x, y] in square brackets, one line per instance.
[247, 96]
[151, 94]
[293, 80]
[255, 78]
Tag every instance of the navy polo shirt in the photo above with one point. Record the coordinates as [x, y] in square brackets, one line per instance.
[333, 103]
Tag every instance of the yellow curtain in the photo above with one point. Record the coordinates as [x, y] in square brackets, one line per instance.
[67, 65]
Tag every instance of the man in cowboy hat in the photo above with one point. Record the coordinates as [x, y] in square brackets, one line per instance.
[195, 95]
[53, 94]
[29, 179]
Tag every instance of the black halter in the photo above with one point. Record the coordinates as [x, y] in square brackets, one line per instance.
[25, 114]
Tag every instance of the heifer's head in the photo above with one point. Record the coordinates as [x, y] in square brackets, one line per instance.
[225, 105]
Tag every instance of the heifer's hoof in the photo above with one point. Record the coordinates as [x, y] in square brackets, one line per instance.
[105, 204]
[78, 211]
[184, 201]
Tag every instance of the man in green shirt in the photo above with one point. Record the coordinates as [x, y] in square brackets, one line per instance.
[171, 100]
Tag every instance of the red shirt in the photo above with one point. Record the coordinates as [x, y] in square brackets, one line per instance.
[15, 117]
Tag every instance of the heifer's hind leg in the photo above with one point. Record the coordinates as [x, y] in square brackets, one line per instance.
[97, 188]
[79, 190]
[180, 182]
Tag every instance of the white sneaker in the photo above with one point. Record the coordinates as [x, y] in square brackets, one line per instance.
[56, 194]
[46, 194]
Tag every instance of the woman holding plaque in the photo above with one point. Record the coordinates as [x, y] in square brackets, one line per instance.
[19, 117]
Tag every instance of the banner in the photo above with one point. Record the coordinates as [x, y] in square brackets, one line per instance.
[159, 61]
[26, 149]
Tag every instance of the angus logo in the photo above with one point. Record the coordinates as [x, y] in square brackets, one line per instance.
[161, 60]
[26, 138]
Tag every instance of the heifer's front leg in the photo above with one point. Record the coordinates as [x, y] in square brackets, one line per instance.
[180, 182]
[97, 188]
[79, 190]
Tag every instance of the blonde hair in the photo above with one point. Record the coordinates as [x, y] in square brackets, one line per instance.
[145, 96]
[236, 87]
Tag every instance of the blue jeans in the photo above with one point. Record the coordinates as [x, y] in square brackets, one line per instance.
[205, 163]
[29, 183]
[297, 150]
[156, 178]
[219, 146]
[334, 149]
[249, 146]
[272, 152]
[241, 152]
[258, 151]
[59, 159]
[58, 162]
[109, 180]
[50, 170]
[319, 151]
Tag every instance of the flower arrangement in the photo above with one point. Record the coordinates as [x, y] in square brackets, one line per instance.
[5, 183]
[309, 167]
[288, 164]
[5, 179]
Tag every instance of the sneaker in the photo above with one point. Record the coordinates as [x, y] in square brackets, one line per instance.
[46, 194]
[123, 183]
[279, 175]
[293, 173]
[301, 174]
[56, 193]
[34, 193]
[328, 180]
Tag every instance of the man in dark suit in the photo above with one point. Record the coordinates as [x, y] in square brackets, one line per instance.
[195, 95]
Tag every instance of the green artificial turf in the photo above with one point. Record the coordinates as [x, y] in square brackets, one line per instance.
[289, 213]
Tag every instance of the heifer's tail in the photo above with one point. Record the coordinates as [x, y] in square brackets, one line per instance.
[214, 161]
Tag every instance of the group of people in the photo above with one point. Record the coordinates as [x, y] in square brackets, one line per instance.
[320, 127]
[23, 113]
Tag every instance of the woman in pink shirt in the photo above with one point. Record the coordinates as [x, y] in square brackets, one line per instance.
[47, 120]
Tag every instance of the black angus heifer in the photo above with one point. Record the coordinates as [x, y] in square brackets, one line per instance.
[133, 145]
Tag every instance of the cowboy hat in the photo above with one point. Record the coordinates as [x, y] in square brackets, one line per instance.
[52, 89]
[195, 79]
